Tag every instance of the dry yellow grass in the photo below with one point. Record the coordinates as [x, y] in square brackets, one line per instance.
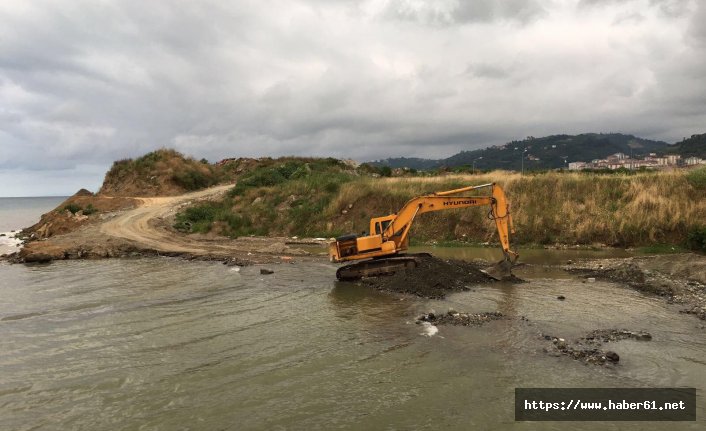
[547, 208]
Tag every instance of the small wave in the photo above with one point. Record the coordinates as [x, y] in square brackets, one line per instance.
[429, 330]
[8, 242]
[21, 316]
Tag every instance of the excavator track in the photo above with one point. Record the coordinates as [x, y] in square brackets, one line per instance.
[379, 267]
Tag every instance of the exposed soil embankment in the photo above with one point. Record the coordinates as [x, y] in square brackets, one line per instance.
[79, 210]
[434, 278]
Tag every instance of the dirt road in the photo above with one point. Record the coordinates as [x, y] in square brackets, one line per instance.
[140, 224]
[147, 229]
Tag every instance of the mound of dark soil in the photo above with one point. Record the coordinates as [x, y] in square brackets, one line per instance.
[433, 278]
[460, 319]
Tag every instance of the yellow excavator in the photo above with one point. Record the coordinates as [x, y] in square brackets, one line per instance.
[381, 252]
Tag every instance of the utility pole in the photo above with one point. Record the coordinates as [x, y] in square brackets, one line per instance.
[523, 158]
[473, 171]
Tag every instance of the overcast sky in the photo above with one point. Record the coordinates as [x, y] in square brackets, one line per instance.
[83, 83]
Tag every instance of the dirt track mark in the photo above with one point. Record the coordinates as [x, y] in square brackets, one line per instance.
[138, 224]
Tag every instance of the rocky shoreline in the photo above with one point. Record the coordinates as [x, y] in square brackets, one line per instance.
[113, 248]
[679, 278]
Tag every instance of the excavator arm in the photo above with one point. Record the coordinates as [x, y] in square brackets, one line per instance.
[389, 235]
[398, 229]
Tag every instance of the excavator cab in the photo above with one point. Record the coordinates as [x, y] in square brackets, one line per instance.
[380, 224]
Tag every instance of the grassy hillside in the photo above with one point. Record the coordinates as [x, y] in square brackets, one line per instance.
[159, 173]
[695, 146]
[277, 197]
[325, 198]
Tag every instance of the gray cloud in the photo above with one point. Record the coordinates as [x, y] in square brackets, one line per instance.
[84, 83]
[445, 12]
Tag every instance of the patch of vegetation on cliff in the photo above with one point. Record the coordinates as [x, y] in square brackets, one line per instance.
[162, 172]
[201, 217]
[74, 208]
[278, 197]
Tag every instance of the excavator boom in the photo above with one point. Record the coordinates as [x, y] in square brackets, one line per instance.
[389, 235]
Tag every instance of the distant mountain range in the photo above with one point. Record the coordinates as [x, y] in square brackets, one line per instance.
[555, 151]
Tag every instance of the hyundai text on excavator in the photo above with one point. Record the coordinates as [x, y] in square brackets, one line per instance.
[381, 252]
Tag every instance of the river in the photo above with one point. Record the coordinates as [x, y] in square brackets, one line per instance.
[165, 344]
[159, 343]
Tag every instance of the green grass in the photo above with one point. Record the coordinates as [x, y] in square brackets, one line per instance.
[279, 197]
[275, 174]
[201, 217]
[697, 178]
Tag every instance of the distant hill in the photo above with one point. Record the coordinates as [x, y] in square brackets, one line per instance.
[691, 147]
[549, 152]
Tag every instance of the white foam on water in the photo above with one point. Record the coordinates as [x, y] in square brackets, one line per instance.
[429, 330]
[8, 243]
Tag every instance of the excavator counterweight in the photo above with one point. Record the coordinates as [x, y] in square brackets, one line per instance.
[382, 251]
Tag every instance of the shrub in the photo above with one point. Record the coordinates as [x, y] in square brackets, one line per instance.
[696, 239]
[148, 161]
[196, 219]
[90, 209]
[72, 207]
[192, 180]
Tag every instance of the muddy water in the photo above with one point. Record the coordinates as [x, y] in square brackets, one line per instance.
[535, 256]
[162, 344]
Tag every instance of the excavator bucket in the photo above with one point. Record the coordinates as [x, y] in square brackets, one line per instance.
[501, 270]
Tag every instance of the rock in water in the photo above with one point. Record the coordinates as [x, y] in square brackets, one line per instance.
[612, 356]
[266, 271]
[38, 258]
